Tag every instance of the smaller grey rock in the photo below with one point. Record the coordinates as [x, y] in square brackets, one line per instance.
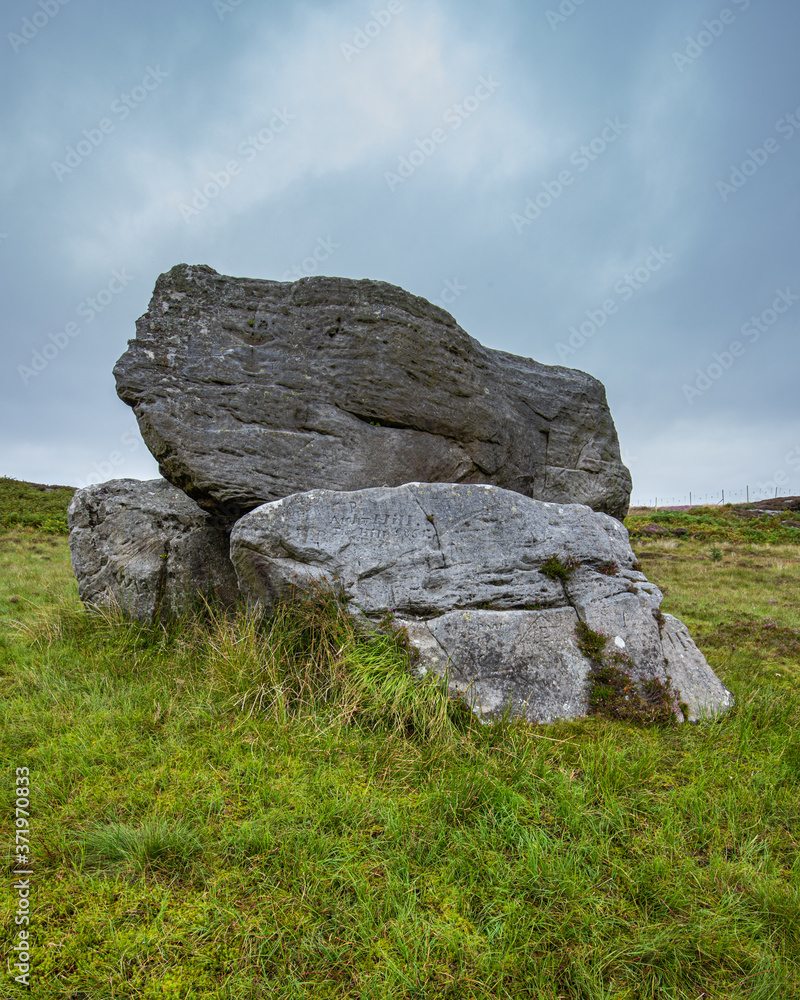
[149, 548]
[627, 619]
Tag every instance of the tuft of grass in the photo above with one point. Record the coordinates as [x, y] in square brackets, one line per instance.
[311, 655]
[615, 695]
[554, 568]
[154, 845]
[609, 568]
[592, 644]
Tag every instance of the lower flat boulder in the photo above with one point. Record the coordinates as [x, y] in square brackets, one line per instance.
[496, 590]
[148, 548]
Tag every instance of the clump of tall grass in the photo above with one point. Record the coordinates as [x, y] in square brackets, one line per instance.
[155, 845]
[305, 656]
[313, 655]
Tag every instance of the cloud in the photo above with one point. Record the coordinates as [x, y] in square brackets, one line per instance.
[357, 116]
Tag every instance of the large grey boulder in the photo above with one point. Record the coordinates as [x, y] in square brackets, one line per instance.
[490, 586]
[247, 391]
[148, 548]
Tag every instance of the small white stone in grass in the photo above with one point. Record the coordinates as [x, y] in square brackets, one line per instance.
[619, 642]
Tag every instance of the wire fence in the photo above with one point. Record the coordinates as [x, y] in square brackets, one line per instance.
[748, 494]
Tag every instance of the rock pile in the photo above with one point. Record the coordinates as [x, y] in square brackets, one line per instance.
[349, 434]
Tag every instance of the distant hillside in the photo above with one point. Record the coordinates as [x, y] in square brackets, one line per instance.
[34, 505]
[44, 508]
[756, 523]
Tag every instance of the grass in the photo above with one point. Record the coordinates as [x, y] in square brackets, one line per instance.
[26, 505]
[557, 570]
[718, 524]
[614, 691]
[235, 807]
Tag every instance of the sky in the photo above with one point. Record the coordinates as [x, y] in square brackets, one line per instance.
[607, 185]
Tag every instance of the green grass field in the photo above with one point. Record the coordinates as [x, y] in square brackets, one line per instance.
[239, 808]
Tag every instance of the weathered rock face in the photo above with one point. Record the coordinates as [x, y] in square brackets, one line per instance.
[247, 391]
[147, 547]
[489, 584]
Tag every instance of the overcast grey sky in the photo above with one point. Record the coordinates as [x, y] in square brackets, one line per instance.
[610, 185]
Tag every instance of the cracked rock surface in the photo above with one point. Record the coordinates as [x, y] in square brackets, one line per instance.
[463, 569]
[247, 391]
[148, 548]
